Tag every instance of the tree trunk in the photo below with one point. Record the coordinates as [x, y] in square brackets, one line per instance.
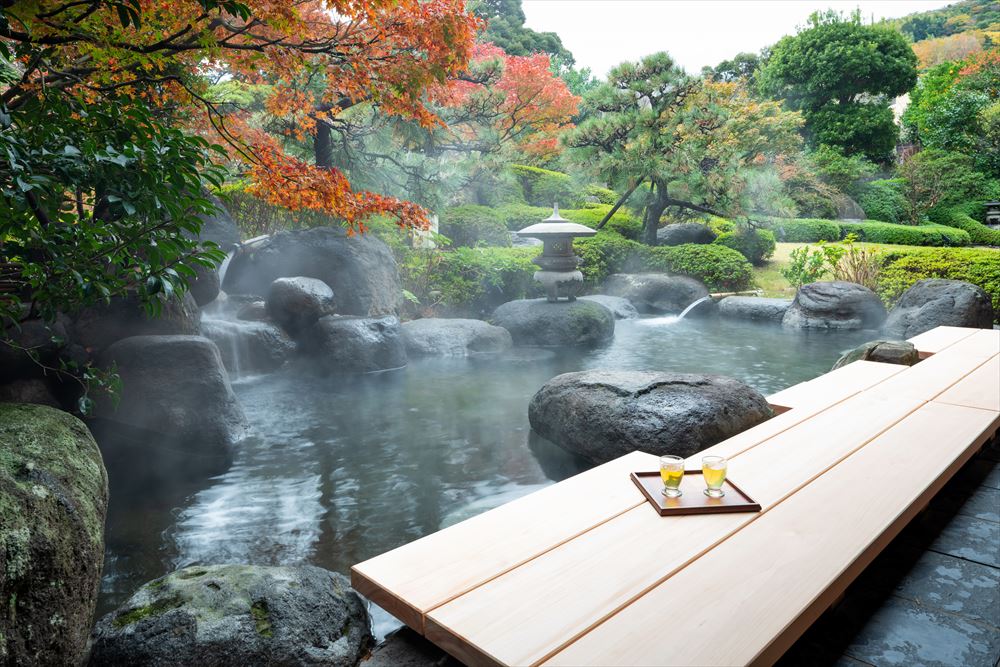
[653, 212]
[323, 145]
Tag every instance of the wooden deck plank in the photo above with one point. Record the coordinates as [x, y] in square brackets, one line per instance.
[414, 578]
[933, 341]
[984, 343]
[937, 373]
[748, 599]
[530, 612]
[978, 389]
[835, 385]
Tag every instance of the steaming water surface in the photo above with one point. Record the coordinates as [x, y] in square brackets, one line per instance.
[340, 469]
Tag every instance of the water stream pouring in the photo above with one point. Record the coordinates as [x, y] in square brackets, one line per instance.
[692, 306]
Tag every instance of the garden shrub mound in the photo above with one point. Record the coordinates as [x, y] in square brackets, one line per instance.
[230, 615]
[885, 351]
[434, 336]
[544, 187]
[469, 226]
[720, 268]
[337, 344]
[803, 230]
[601, 415]
[934, 302]
[360, 269]
[903, 268]
[684, 232]
[884, 200]
[53, 501]
[919, 235]
[656, 292]
[176, 386]
[834, 305]
[979, 234]
[540, 323]
[757, 245]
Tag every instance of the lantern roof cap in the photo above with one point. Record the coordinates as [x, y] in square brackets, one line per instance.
[556, 225]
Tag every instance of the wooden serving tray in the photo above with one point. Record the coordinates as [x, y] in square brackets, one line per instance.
[693, 500]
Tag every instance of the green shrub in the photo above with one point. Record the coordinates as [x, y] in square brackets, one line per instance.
[920, 235]
[604, 254]
[602, 194]
[803, 230]
[519, 216]
[470, 281]
[757, 245]
[543, 187]
[621, 222]
[979, 266]
[883, 200]
[471, 225]
[979, 234]
[720, 225]
[719, 267]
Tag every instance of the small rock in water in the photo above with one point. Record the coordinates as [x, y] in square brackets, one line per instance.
[885, 351]
[297, 303]
[222, 615]
[656, 292]
[538, 322]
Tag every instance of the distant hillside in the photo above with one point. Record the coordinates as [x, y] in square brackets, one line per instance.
[952, 32]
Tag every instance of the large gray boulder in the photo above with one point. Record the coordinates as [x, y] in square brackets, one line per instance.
[935, 302]
[360, 269]
[620, 307]
[235, 615]
[753, 308]
[354, 344]
[601, 415]
[296, 303]
[44, 339]
[538, 322]
[53, 501]
[29, 390]
[205, 286]
[685, 232]
[453, 337]
[885, 351]
[248, 346]
[175, 386]
[656, 292]
[99, 326]
[834, 305]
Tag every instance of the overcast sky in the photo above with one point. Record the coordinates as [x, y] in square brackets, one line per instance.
[603, 33]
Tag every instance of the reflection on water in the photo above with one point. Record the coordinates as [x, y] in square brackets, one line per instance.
[340, 469]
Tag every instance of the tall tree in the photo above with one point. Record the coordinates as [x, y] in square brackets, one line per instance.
[842, 75]
[688, 140]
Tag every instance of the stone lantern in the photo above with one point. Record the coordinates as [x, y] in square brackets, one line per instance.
[557, 262]
[993, 214]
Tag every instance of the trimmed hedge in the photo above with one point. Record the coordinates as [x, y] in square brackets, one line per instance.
[757, 245]
[471, 225]
[602, 194]
[979, 234]
[719, 267]
[920, 235]
[604, 254]
[543, 187]
[518, 216]
[803, 230]
[979, 266]
[883, 200]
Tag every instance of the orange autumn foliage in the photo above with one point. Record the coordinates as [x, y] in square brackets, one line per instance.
[387, 52]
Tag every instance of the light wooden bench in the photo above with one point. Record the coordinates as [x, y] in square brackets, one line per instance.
[933, 341]
[833, 386]
[585, 572]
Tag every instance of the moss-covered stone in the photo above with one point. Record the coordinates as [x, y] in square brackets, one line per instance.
[53, 500]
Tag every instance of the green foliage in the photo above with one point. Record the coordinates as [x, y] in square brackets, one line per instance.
[934, 178]
[979, 234]
[621, 222]
[544, 187]
[810, 264]
[841, 171]
[954, 18]
[884, 200]
[919, 235]
[901, 269]
[604, 254]
[98, 200]
[471, 225]
[470, 281]
[506, 29]
[519, 216]
[842, 73]
[720, 225]
[602, 194]
[757, 245]
[803, 230]
[719, 267]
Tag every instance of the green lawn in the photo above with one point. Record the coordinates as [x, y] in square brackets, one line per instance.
[773, 284]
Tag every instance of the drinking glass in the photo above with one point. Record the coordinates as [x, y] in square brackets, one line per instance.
[714, 470]
[671, 472]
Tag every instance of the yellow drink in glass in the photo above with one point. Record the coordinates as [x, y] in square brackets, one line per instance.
[671, 472]
[713, 468]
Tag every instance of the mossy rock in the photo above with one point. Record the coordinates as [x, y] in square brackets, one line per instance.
[220, 615]
[53, 501]
[540, 323]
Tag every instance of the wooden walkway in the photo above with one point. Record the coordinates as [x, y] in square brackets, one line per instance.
[585, 572]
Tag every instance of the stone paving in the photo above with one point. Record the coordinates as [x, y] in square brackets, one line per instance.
[933, 596]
